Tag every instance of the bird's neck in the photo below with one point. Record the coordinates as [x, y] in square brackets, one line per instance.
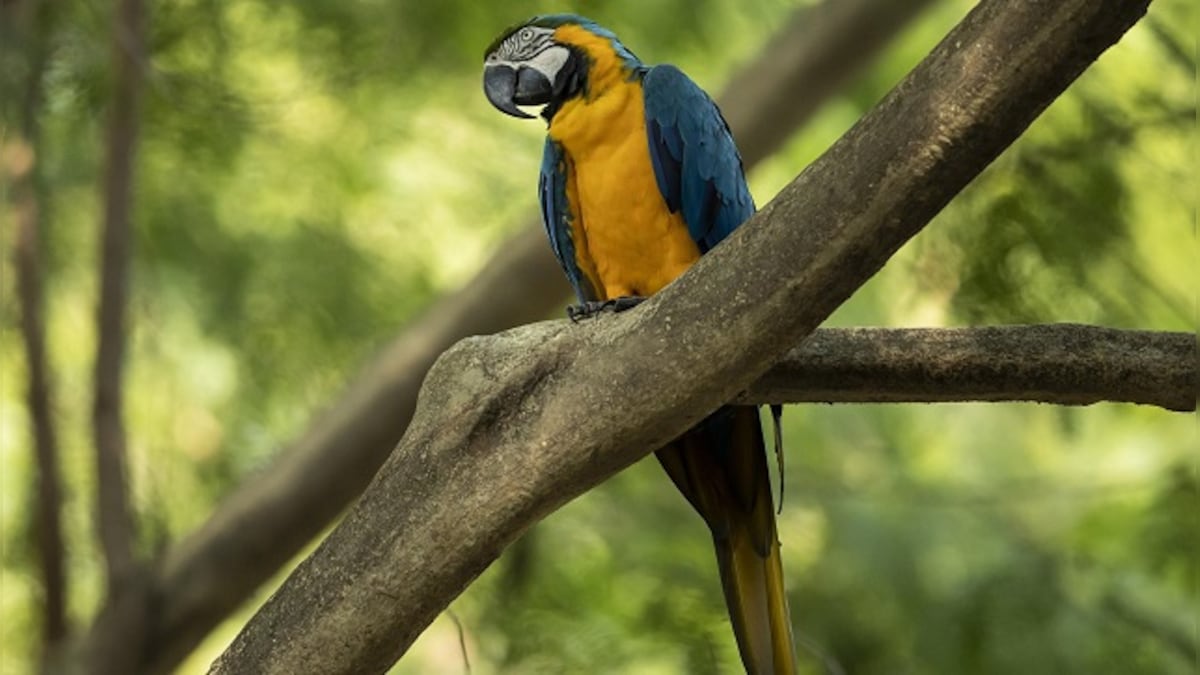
[586, 125]
[600, 65]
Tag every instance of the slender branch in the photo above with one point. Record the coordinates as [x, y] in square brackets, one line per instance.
[1065, 364]
[262, 524]
[48, 519]
[120, 630]
[21, 155]
[505, 433]
[115, 520]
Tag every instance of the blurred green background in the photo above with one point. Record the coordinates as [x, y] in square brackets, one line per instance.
[312, 175]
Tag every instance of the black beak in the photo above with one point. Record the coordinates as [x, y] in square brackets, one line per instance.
[507, 88]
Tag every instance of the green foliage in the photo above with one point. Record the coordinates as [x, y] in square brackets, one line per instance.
[311, 175]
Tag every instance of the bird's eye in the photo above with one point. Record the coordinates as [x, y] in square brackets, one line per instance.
[525, 35]
[492, 56]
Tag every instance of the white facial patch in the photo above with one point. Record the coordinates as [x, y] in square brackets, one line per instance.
[530, 46]
[549, 61]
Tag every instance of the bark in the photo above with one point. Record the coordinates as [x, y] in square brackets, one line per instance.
[1065, 364]
[124, 613]
[267, 520]
[504, 433]
[22, 155]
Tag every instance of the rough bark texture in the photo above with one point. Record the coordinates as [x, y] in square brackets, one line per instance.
[503, 434]
[1065, 364]
[260, 526]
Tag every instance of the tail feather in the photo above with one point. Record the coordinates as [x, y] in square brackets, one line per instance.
[721, 468]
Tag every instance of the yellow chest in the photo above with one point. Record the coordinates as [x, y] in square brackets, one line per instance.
[626, 240]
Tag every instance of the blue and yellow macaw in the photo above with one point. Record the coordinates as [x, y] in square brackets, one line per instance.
[641, 177]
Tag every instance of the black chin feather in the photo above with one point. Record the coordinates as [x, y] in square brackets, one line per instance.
[571, 81]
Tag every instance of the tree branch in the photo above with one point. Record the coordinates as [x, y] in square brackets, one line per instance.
[504, 434]
[262, 524]
[20, 164]
[115, 523]
[122, 621]
[1065, 364]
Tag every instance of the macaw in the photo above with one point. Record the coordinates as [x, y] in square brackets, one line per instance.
[640, 177]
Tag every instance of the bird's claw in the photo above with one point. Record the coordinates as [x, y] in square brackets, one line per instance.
[586, 310]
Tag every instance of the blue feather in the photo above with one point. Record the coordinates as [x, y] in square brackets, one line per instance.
[557, 217]
[696, 163]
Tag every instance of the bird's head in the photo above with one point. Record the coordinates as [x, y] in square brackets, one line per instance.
[549, 60]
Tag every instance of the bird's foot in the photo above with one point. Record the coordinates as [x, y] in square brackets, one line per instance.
[591, 308]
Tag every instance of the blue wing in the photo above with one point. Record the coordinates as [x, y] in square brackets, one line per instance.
[557, 217]
[696, 163]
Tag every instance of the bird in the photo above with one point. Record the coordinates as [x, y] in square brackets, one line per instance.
[640, 176]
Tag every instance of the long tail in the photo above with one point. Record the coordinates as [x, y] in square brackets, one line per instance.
[721, 467]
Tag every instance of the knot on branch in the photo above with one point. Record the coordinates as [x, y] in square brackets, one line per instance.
[482, 380]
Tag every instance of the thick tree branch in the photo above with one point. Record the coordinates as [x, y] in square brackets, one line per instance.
[504, 434]
[124, 612]
[1065, 364]
[273, 514]
[20, 157]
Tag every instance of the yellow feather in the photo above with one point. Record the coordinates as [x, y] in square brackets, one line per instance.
[626, 240]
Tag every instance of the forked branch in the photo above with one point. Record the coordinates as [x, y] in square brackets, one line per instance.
[506, 430]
